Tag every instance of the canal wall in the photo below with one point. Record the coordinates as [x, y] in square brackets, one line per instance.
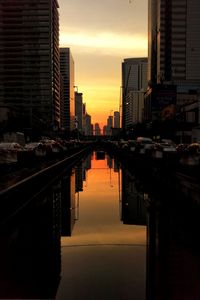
[16, 196]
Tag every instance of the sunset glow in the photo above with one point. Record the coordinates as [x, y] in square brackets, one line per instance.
[100, 35]
[106, 42]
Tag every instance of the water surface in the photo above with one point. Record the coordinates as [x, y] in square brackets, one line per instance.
[103, 258]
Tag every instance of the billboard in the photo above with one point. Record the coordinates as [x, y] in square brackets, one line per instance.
[163, 102]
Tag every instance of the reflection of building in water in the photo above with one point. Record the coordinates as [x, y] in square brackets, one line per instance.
[133, 210]
[109, 162]
[116, 166]
[68, 204]
[86, 166]
[173, 245]
[79, 174]
[100, 155]
[30, 255]
[87, 162]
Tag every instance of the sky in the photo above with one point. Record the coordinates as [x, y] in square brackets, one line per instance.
[100, 35]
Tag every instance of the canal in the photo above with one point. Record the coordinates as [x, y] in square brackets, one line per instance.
[100, 232]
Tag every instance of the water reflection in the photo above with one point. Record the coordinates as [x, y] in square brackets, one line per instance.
[100, 201]
[104, 258]
[133, 205]
[30, 256]
[100, 233]
[173, 246]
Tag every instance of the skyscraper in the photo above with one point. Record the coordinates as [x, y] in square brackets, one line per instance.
[88, 130]
[29, 63]
[79, 110]
[97, 130]
[116, 119]
[173, 61]
[175, 28]
[134, 78]
[67, 74]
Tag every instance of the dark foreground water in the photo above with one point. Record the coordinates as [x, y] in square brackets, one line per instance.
[99, 232]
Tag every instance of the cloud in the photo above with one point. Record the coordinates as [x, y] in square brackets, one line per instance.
[100, 34]
[115, 15]
[106, 43]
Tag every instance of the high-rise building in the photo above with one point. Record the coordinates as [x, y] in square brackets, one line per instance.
[134, 107]
[79, 110]
[174, 27]
[29, 63]
[68, 106]
[109, 125]
[134, 78]
[97, 130]
[173, 59]
[116, 119]
[88, 126]
[152, 42]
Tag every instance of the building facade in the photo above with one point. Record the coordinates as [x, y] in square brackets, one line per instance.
[97, 130]
[29, 63]
[135, 107]
[174, 50]
[67, 75]
[134, 78]
[116, 119]
[178, 45]
[88, 130]
[79, 111]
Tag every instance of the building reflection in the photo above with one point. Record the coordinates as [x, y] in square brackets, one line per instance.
[71, 186]
[172, 247]
[30, 252]
[133, 210]
[30, 256]
[109, 162]
[68, 205]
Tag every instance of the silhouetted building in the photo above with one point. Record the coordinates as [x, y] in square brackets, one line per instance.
[175, 26]
[109, 125]
[88, 126]
[116, 119]
[173, 51]
[79, 111]
[97, 130]
[29, 62]
[68, 106]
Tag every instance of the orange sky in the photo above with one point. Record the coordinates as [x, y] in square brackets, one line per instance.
[100, 35]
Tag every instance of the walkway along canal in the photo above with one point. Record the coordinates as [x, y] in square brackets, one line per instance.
[100, 230]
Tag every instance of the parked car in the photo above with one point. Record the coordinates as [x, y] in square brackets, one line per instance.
[192, 156]
[36, 148]
[144, 145]
[182, 148]
[168, 146]
[9, 152]
[52, 146]
[194, 148]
